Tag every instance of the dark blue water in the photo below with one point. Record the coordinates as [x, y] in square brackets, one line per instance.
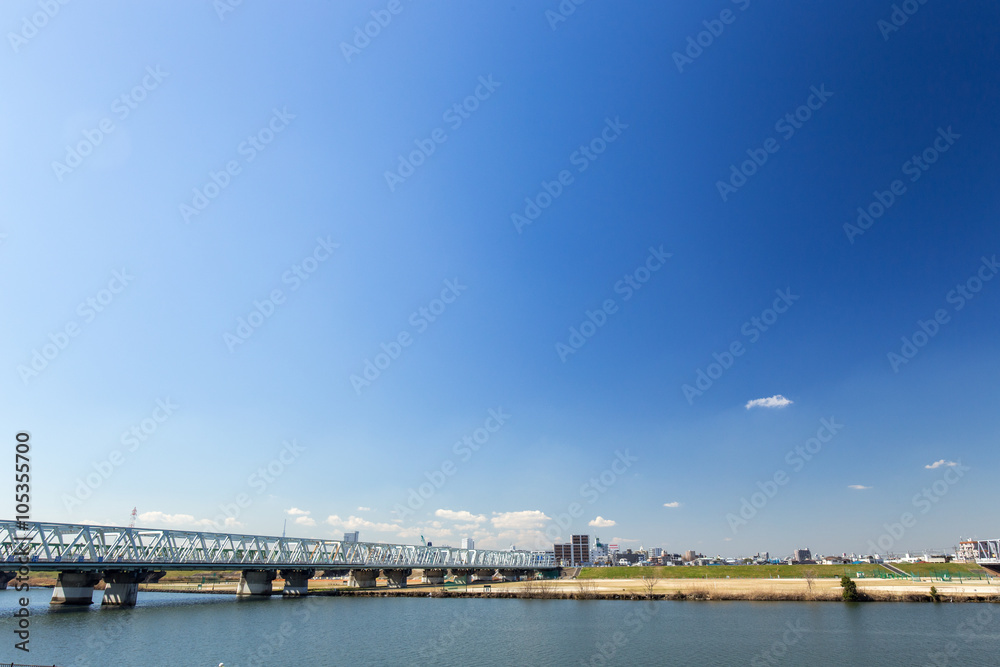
[189, 629]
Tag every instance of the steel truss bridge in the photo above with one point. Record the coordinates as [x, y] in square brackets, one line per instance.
[125, 557]
[61, 546]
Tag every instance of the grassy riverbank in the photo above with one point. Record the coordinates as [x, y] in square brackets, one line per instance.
[865, 570]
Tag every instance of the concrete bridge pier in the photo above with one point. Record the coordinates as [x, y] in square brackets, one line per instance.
[4, 578]
[152, 577]
[483, 575]
[75, 588]
[296, 582]
[362, 578]
[462, 577]
[256, 582]
[435, 577]
[122, 587]
[397, 578]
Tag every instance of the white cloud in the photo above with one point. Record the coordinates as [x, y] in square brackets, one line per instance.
[305, 521]
[295, 511]
[523, 520]
[859, 487]
[622, 540]
[357, 523]
[776, 401]
[186, 520]
[364, 509]
[941, 463]
[461, 515]
[672, 504]
[601, 522]
[169, 519]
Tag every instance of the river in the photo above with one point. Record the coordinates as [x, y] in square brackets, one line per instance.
[193, 629]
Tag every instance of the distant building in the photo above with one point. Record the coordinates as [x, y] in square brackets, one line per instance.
[802, 556]
[581, 549]
[599, 553]
[656, 552]
[468, 543]
[690, 556]
[969, 550]
[574, 553]
[351, 537]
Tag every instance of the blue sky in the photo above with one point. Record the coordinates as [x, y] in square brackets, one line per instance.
[216, 182]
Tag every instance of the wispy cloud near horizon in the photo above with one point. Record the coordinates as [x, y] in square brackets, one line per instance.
[776, 401]
[941, 464]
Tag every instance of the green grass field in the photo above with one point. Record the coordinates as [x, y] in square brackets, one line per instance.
[937, 569]
[782, 571]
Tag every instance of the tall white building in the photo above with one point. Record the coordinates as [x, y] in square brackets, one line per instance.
[351, 537]
[468, 543]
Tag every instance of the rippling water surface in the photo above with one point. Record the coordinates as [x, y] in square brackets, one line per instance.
[190, 629]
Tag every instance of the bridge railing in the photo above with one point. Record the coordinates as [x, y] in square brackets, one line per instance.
[50, 543]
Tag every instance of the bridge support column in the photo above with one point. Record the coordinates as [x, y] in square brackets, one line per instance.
[397, 578]
[256, 582]
[75, 588]
[152, 577]
[122, 587]
[4, 578]
[296, 582]
[362, 578]
[435, 577]
[483, 575]
[462, 577]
